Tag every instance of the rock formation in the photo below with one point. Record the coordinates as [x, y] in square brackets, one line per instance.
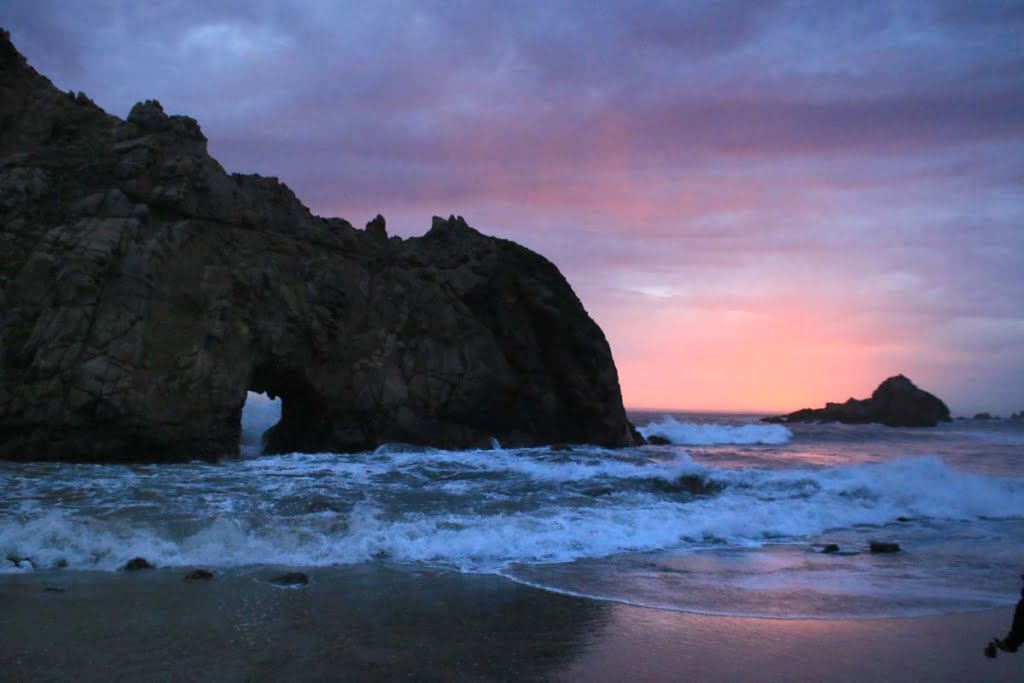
[897, 402]
[144, 291]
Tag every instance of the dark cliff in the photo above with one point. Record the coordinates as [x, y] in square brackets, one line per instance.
[144, 291]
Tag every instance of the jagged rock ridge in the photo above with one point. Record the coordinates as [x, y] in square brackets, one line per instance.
[144, 291]
[897, 402]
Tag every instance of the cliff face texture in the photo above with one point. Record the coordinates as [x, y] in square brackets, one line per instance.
[144, 291]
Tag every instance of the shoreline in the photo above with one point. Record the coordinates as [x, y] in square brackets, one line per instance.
[374, 621]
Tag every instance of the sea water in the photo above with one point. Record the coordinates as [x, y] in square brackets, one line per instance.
[730, 518]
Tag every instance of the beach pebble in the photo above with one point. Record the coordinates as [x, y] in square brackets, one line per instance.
[135, 564]
[290, 579]
[884, 547]
[199, 575]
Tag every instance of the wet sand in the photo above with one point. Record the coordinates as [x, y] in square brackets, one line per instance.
[373, 622]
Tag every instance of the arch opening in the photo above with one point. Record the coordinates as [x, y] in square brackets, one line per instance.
[260, 413]
[301, 425]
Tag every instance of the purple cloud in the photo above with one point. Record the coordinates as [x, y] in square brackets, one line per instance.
[859, 165]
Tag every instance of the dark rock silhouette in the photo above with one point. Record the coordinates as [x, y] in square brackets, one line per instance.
[144, 291]
[137, 564]
[883, 547]
[982, 416]
[1012, 641]
[897, 402]
[199, 575]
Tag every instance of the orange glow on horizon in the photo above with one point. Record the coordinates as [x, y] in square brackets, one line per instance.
[733, 361]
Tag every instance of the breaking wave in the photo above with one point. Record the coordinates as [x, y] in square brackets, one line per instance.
[702, 434]
[474, 510]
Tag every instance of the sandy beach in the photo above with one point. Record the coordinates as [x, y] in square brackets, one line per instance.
[373, 622]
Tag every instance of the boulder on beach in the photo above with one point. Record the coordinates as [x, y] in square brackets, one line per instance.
[137, 564]
[144, 292]
[897, 402]
[884, 547]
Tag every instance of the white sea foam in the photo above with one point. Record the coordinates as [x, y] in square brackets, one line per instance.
[480, 513]
[424, 466]
[259, 414]
[701, 434]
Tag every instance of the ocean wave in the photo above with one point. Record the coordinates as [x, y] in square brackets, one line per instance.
[702, 434]
[1009, 437]
[479, 514]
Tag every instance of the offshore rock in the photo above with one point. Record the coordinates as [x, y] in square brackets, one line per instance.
[144, 291]
[897, 402]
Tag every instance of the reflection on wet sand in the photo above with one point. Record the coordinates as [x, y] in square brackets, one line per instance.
[362, 623]
[372, 622]
[639, 644]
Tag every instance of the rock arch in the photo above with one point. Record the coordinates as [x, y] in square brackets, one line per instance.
[144, 291]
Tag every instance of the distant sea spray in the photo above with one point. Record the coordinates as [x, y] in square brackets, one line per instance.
[710, 434]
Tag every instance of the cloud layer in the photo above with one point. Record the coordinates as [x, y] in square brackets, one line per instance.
[765, 204]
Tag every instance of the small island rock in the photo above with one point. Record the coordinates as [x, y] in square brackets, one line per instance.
[897, 402]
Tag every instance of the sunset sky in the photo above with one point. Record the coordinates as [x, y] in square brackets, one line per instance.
[765, 205]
